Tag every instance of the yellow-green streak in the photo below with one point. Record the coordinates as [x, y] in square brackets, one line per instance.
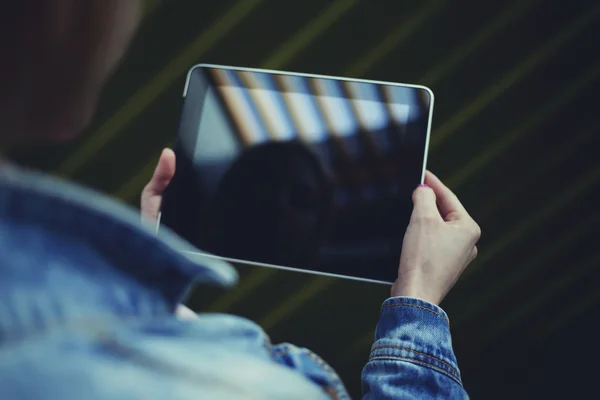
[307, 35]
[538, 298]
[402, 32]
[538, 168]
[289, 306]
[506, 140]
[279, 59]
[562, 198]
[512, 77]
[437, 73]
[575, 309]
[149, 7]
[319, 284]
[458, 55]
[246, 286]
[527, 268]
[360, 344]
[153, 89]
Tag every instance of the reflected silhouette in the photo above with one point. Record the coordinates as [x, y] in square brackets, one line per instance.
[307, 172]
[271, 206]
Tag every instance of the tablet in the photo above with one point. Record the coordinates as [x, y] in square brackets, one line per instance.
[298, 171]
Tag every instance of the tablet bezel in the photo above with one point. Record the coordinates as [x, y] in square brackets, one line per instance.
[307, 75]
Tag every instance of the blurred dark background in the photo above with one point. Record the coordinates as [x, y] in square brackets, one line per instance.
[515, 135]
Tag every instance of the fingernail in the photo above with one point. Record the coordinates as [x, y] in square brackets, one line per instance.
[423, 185]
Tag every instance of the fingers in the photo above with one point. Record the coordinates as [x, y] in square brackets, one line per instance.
[424, 203]
[449, 206]
[164, 172]
[152, 194]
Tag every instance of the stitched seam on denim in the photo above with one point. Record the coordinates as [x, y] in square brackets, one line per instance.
[408, 359]
[337, 387]
[452, 369]
[417, 306]
[282, 352]
[331, 392]
[329, 389]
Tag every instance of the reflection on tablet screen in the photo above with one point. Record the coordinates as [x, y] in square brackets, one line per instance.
[298, 171]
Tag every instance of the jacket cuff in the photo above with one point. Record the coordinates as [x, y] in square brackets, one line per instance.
[415, 331]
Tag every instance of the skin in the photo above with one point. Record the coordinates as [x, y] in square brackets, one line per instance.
[57, 56]
[439, 244]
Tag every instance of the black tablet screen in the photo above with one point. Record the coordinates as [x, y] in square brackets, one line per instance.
[313, 173]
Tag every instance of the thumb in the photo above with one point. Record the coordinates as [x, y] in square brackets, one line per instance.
[424, 201]
[152, 194]
[164, 172]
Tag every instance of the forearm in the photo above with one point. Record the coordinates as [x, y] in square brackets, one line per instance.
[412, 356]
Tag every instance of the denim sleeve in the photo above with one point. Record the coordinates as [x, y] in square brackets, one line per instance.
[412, 357]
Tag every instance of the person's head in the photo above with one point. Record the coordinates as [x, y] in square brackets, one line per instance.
[56, 57]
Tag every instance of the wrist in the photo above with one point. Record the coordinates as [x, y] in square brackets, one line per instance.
[416, 292]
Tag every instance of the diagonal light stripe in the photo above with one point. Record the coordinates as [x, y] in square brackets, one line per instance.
[153, 89]
[244, 288]
[556, 203]
[529, 266]
[538, 168]
[295, 302]
[468, 311]
[360, 67]
[284, 54]
[495, 149]
[149, 7]
[277, 60]
[506, 140]
[575, 309]
[306, 36]
[360, 344]
[435, 75]
[458, 55]
[319, 284]
[504, 83]
[394, 38]
[529, 305]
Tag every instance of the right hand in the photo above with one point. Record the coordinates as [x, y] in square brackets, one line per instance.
[439, 243]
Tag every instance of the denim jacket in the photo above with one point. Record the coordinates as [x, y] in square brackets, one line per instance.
[87, 311]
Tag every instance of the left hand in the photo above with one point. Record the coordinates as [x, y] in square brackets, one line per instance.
[150, 205]
[153, 191]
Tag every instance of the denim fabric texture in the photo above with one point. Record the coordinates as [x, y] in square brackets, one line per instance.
[87, 311]
[412, 357]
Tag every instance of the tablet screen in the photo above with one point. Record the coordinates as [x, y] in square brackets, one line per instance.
[298, 171]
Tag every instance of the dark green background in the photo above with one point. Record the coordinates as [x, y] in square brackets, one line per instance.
[515, 135]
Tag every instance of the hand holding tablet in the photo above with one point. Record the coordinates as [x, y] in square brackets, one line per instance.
[439, 243]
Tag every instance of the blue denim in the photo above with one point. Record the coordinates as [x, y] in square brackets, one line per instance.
[87, 311]
[412, 357]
